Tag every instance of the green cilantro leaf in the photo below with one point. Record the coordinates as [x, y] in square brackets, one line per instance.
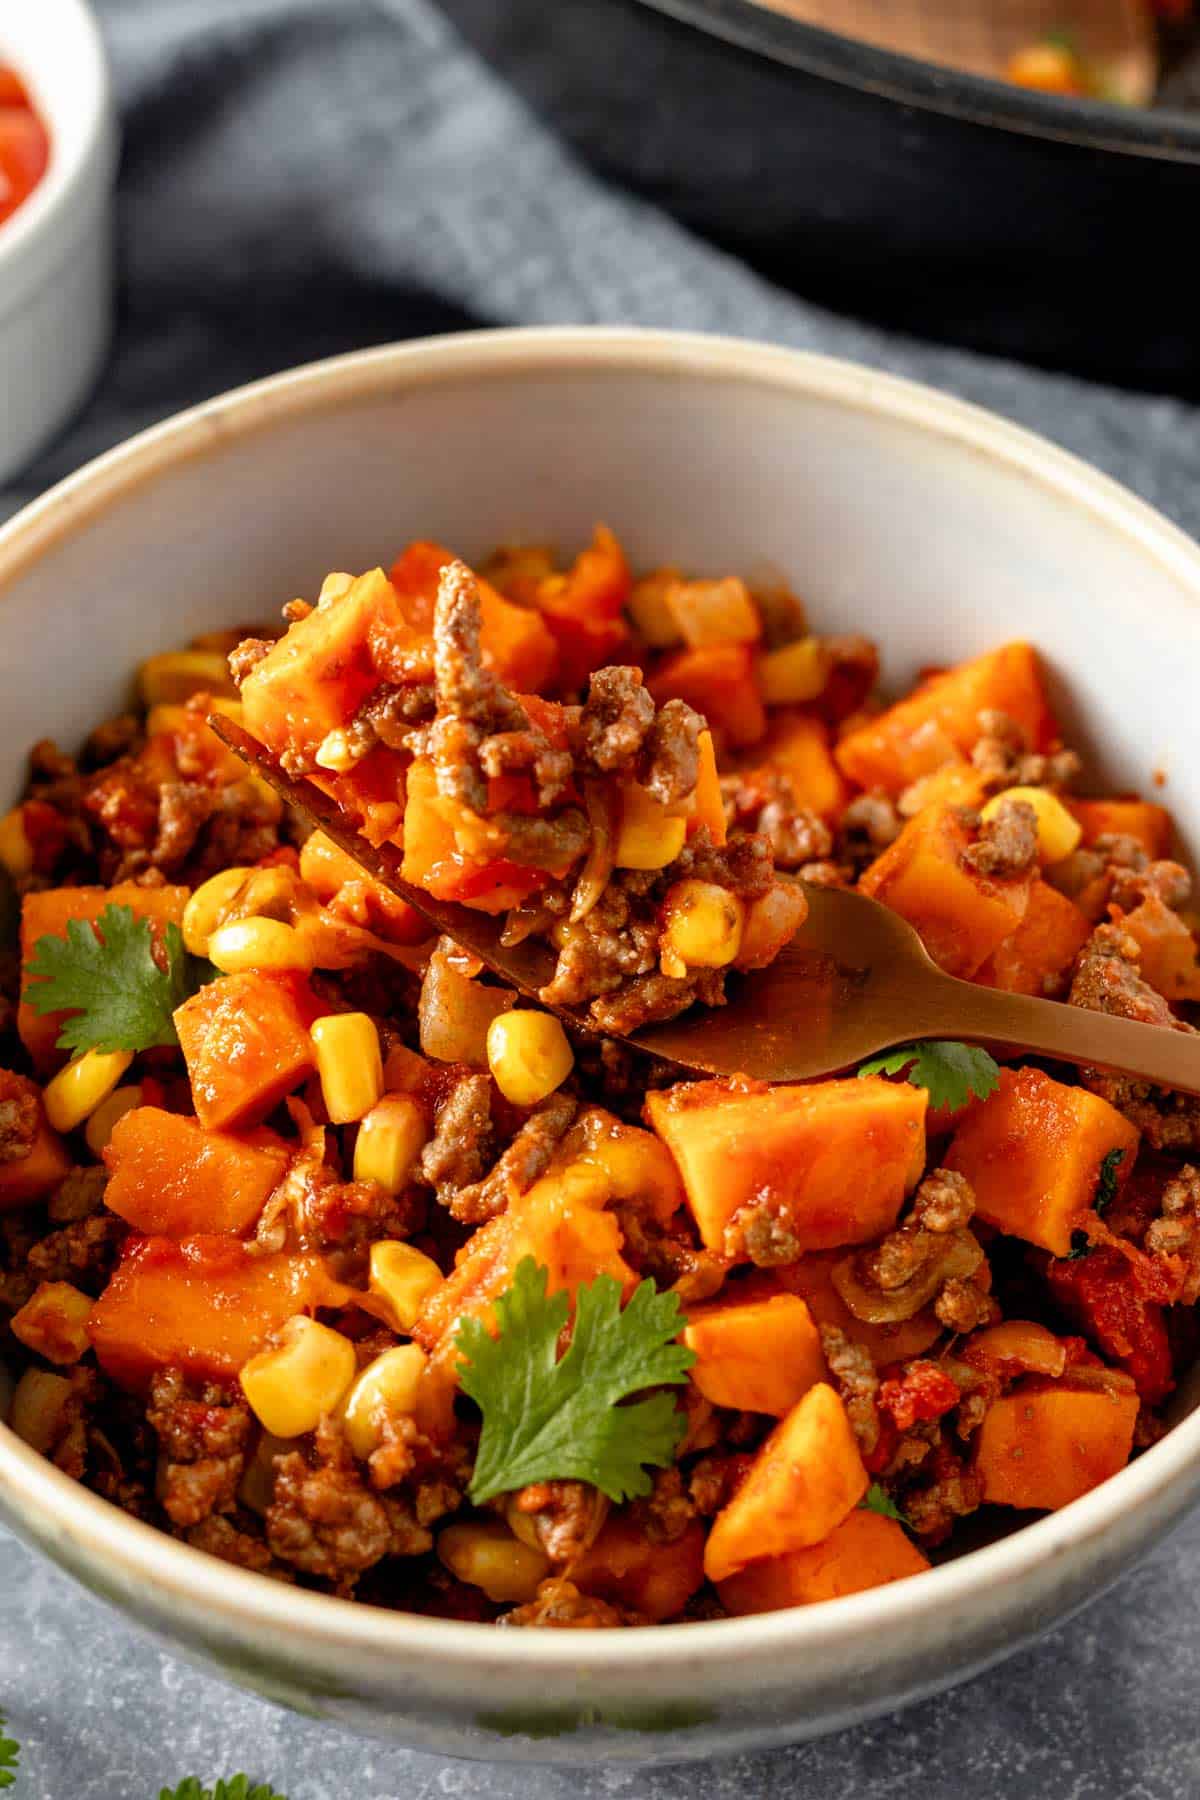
[547, 1417]
[878, 1500]
[105, 977]
[236, 1788]
[10, 1755]
[1106, 1193]
[952, 1072]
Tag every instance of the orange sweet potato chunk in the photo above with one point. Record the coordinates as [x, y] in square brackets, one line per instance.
[1141, 819]
[758, 1355]
[33, 1177]
[797, 746]
[864, 1551]
[1168, 949]
[1037, 957]
[1032, 1152]
[204, 1305]
[246, 1042]
[804, 1480]
[892, 750]
[169, 1177]
[561, 1222]
[1046, 1443]
[514, 639]
[830, 1161]
[628, 1569]
[718, 680]
[962, 916]
[315, 678]
[47, 914]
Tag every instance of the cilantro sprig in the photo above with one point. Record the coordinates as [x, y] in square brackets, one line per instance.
[106, 978]
[10, 1755]
[547, 1417]
[951, 1072]
[237, 1788]
[878, 1500]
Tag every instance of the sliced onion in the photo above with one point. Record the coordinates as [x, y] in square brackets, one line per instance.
[599, 798]
[1018, 1343]
[959, 1259]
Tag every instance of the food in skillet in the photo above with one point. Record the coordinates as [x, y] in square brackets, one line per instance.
[24, 145]
[320, 1253]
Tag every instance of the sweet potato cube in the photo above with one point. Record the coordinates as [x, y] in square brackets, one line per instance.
[315, 678]
[169, 1177]
[1038, 956]
[47, 914]
[514, 639]
[828, 1162]
[797, 745]
[804, 1480]
[719, 682]
[709, 808]
[755, 1355]
[1046, 1443]
[561, 1222]
[864, 1551]
[892, 750]
[1168, 949]
[625, 1567]
[246, 1042]
[204, 1305]
[1141, 819]
[962, 916]
[1032, 1152]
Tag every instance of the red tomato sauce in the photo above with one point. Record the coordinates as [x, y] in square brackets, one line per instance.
[24, 143]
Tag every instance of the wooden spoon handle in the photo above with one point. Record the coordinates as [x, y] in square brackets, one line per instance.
[1154, 1053]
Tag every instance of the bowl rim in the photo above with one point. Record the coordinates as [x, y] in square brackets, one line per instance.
[1162, 134]
[255, 1603]
[28, 239]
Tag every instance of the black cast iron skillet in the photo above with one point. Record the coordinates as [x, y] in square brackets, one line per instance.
[945, 204]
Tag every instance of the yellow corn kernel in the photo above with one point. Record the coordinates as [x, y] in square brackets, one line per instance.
[386, 1389]
[292, 1387]
[1058, 831]
[53, 1322]
[486, 1555]
[258, 943]
[349, 1064]
[529, 1055]
[655, 622]
[648, 836]
[702, 927]
[208, 907]
[100, 1126]
[404, 1278]
[16, 851]
[76, 1091]
[390, 1139]
[257, 1486]
[178, 674]
[39, 1408]
[795, 673]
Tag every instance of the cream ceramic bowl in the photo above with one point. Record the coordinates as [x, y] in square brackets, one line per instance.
[56, 249]
[932, 526]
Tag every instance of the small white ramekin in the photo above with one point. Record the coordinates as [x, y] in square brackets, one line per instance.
[56, 249]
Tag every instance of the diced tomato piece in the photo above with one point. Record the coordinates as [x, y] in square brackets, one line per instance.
[1098, 1293]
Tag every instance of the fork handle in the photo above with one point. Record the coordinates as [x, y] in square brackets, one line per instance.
[1154, 1053]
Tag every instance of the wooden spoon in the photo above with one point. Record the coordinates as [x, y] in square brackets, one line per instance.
[854, 981]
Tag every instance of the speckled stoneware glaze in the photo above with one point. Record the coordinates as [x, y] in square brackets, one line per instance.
[936, 528]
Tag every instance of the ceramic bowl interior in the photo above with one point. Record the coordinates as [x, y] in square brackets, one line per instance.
[936, 529]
